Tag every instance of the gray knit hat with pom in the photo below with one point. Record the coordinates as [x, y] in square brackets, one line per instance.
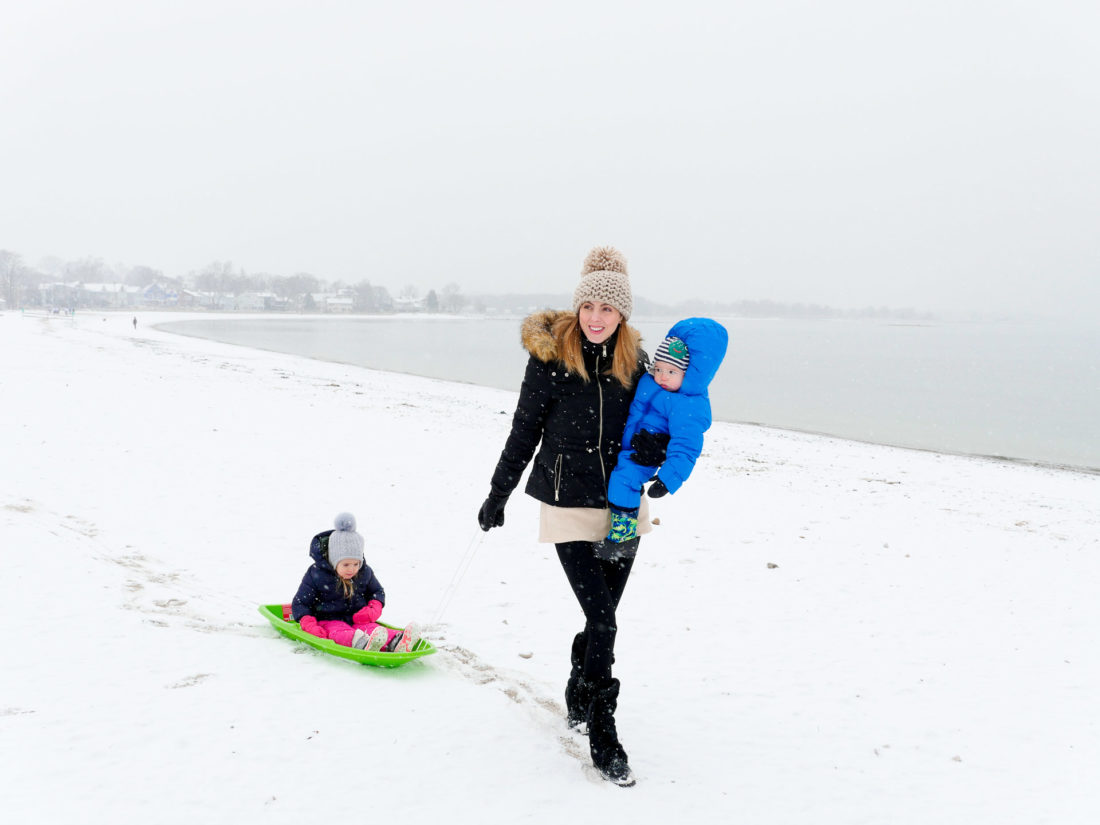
[344, 542]
[604, 279]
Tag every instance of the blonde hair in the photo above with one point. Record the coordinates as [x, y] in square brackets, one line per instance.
[624, 363]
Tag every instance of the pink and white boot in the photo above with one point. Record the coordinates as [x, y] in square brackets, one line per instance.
[408, 639]
[370, 642]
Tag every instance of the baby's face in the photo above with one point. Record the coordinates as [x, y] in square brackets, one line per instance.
[347, 568]
[667, 376]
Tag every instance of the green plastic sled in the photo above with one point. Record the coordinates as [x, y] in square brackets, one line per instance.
[274, 613]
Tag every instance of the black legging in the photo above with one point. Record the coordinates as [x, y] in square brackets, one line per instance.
[598, 586]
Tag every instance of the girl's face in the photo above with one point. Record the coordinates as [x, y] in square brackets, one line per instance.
[598, 321]
[347, 568]
[667, 376]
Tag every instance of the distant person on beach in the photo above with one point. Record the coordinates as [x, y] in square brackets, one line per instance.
[341, 599]
[672, 399]
[580, 379]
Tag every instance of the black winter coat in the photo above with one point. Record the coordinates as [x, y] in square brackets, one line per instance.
[579, 424]
[321, 595]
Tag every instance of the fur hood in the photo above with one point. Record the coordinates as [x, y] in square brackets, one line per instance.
[537, 334]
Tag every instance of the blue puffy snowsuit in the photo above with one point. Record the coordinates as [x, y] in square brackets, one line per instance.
[684, 415]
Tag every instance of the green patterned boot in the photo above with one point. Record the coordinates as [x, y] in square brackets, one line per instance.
[621, 541]
[624, 526]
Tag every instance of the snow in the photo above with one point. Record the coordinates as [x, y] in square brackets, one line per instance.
[818, 631]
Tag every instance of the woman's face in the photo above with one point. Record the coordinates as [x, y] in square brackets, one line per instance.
[347, 568]
[598, 321]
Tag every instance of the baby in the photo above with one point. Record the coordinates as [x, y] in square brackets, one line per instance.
[671, 399]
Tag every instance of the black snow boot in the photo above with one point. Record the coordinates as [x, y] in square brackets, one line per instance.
[578, 696]
[607, 754]
[578, 690]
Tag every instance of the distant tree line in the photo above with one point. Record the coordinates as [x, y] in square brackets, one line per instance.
[21, 286]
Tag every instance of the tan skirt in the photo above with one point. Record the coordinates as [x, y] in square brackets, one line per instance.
[562, 524]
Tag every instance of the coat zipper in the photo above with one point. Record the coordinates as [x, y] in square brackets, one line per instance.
[557, 476]
[599, 440]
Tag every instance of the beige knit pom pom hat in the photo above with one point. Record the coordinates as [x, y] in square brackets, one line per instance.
[604, 279]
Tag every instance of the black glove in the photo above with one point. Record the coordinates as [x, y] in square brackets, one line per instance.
[649, 448]
[657, 489]
[491, 513]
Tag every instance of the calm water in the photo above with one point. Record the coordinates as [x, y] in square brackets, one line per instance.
[1021, 390]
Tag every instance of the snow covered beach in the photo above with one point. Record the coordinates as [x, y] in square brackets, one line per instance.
[818, 631]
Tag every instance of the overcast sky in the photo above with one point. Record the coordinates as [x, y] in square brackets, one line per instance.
[935, 155]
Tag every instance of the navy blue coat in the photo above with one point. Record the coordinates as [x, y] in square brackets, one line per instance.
[321, 595]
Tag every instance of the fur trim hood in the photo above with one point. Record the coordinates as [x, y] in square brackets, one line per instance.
[537, 335]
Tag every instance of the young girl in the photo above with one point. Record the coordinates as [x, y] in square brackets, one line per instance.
[341, 599]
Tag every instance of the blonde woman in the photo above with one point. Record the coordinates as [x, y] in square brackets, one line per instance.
[581, 377]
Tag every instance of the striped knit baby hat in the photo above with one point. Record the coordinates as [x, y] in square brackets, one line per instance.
[604, 279]
[673, 351]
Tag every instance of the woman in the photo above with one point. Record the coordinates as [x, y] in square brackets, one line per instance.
[576, 395]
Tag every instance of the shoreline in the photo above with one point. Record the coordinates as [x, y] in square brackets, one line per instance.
[424, 317]
[177, 316]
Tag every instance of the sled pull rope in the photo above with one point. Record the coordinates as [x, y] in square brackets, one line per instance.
[457, 577]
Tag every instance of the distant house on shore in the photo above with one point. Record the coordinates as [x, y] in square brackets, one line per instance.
[260, 302]
[339, 303]
[329, 302]
[157, 295]
[190, 299]
[408, 304]
[99, 296]
[211, 300]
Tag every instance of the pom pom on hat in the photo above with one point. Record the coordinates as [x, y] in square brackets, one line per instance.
[673, 351]
[344, 542]
[604, 278]
[604, 259]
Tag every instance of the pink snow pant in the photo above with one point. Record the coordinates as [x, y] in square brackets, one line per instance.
[342, 632]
